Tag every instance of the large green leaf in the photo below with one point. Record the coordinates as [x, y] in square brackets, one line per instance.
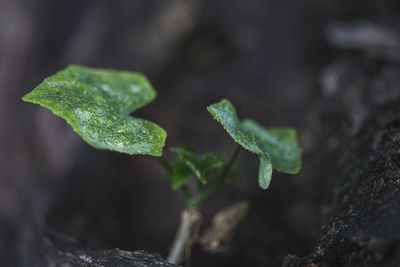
[97, 104]
[277, 147]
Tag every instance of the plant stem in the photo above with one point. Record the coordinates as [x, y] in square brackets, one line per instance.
[185, 237]
[187, 233]
[165, 164]
[185, 189]
[188, 195]
[199, 198]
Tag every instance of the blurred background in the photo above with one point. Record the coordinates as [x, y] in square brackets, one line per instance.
[264, 56]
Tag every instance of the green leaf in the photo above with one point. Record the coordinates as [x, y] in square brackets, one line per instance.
[97, 104]
[277, 147]
[200, 166]
[281, 144]
[211, 164]
[180, 174]
[225, 114]
[189, 157]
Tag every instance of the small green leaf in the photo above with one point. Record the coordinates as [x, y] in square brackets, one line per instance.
[97, 104]
[277, 147]
[211, 164]
[180, 174]
[201, 166]
[189, 157]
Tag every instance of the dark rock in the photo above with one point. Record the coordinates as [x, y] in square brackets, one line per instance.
[43, 246]
[361, 172]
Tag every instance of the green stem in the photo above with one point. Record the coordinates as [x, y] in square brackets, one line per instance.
[165, 164]
[188, 195]
[185, 189]
[200, 197]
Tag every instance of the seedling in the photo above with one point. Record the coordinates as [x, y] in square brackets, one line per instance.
[97, 104]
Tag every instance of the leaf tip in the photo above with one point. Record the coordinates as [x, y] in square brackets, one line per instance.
[264, 172]
[25, 98]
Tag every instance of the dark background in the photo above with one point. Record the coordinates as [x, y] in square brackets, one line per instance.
[265, 56]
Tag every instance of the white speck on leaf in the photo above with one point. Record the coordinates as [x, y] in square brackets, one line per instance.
[83, 115]
[135, 88]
